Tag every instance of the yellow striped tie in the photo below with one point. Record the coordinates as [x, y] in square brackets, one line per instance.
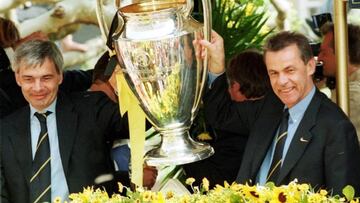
[276, 163]
[40, 181]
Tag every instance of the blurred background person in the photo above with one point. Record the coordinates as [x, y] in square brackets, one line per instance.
[247, 80]
[328, 58]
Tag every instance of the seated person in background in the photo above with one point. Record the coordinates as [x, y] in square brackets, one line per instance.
[102, 82]
[60, 142]
[295, 131]
[120, 151]
[74, 80]
[248, 80]
[247, 76]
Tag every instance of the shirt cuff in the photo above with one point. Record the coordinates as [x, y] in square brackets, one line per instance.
[212, 77]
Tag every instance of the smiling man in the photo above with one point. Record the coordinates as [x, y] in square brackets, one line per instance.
[59, 143]
[295, 131]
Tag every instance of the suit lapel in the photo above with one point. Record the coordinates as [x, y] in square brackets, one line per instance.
[302, 137]
[264, 142]
[21, 142]
[66, 120]
[268, 124]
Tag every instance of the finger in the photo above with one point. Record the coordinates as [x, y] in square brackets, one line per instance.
[205, 43]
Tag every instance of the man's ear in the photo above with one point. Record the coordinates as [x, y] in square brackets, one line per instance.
[61, 77]
[311, 65]
[17, 78]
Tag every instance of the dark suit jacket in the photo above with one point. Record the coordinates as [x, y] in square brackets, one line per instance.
[323, 152]
[85, 122]
[5, 104]
[224, 164]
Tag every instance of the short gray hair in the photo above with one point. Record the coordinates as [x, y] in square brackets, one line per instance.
[34, 52]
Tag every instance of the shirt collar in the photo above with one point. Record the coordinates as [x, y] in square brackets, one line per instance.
[50, 108]
[296, 112]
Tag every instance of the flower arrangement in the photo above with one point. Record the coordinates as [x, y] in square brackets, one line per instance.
[234, 193]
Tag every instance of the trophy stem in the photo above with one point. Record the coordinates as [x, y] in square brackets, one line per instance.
[176, 148]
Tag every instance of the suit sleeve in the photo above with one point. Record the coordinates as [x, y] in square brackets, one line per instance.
[108, 115]
[3, 191]
[223, 114]
[5, 104]
[342, 158]
[76, 81]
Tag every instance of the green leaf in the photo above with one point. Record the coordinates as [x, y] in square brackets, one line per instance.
[240, 23]
[270, 185]
[349, 192]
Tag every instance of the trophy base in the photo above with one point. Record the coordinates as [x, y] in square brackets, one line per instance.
[178, 150]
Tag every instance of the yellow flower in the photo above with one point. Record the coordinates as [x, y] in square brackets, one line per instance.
[185, 199]
[169, 195]
[315, 198]
[249, 9]
[342, 199]
[218, 188]
[236, 187]
[159, 198]
[57, 200]
[205, 136]
[226, 184]
[121, 187]
[323, 192]
[206, 184]
[190, 181]
[279, 196]
[291, 193]
[147, 196]
[251, 193]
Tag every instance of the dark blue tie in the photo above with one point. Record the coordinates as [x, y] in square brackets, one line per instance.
[276, 163]
[40, 182]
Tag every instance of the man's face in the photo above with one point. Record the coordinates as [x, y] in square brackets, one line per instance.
[290, 77]
[39, 84]
[327, 55]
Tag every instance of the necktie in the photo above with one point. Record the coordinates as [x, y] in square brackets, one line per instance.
[40, 182]
[276, 163]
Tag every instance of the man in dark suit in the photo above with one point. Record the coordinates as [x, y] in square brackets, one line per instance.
[314, 142]
[72, 128]
[73, 80]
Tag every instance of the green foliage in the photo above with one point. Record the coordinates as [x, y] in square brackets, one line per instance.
[349, 192]
[241, 23]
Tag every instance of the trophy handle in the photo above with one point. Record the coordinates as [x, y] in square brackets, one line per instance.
[207, 18]
[104, 28]
[206, 13]
[207, 36]
[117, 23]
[189, 7]
[101, 19]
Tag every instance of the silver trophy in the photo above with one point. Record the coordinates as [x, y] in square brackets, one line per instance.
[154, 44]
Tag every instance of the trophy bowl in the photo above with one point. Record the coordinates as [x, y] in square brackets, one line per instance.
[154, 46]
